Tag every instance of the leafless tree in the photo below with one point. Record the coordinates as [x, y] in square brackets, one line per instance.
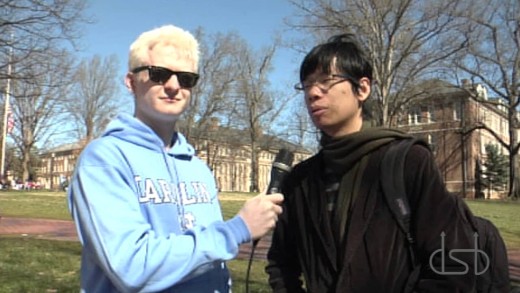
[232, 98]
[37, 103]
[93, 97]
[211, 102]
[29, 27]
[493, 59]
[300, 128]
[405, 39]
[32, 37]
[256, 106]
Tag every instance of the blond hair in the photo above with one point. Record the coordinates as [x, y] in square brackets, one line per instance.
[168, 35]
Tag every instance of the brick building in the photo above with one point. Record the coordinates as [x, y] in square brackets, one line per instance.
[442, 117]
[57, 165]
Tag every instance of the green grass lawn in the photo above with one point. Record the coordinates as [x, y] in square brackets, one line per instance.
[34, 204]
[504, 214]
[36, 265]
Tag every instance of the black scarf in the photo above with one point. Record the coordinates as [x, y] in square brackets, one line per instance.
[345, 159]
[339, 154]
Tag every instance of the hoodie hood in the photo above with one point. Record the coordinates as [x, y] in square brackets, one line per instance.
[130, 129]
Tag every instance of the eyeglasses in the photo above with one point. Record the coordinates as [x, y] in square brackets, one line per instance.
[162, 75]
[324, 83]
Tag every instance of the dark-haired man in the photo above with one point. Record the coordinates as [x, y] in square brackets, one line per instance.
[336, 230]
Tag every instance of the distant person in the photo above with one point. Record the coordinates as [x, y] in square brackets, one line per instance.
[336, 233]
[64, 183]
[146, 208]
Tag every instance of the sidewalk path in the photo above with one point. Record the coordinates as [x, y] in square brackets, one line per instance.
[65, 230]
[42, 228]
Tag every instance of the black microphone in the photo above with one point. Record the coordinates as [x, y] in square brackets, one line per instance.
[281, 167]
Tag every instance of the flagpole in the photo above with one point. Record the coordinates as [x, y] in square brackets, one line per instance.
[6, 113]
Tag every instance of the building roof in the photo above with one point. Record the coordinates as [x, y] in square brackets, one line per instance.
[241, 137]
[437, 88]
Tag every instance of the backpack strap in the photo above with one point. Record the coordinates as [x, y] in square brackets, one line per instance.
[392, 181]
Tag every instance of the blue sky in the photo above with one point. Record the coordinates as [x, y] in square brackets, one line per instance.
[119, 22]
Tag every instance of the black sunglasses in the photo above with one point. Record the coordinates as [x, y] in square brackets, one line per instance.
[162, 75]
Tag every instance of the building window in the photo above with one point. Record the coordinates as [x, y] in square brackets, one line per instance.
[457, 111]
[431, 114]
[432, 141]
[415, 116]
[421, 115]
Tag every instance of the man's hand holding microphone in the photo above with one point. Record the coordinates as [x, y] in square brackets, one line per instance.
[260, 213]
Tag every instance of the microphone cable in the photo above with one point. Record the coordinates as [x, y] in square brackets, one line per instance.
[250, 262]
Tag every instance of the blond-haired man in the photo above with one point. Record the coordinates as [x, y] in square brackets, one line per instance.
[145, 206]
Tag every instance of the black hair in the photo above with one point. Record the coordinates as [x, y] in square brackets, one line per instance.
[351, 59]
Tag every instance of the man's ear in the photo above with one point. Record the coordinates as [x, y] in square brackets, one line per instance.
[129, 81]
[364, 89]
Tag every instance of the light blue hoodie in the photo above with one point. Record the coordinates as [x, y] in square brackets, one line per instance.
[149, 219]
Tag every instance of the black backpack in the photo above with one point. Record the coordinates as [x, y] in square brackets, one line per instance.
[496, 277]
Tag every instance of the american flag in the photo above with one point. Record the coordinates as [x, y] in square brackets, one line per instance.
[10, 120]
